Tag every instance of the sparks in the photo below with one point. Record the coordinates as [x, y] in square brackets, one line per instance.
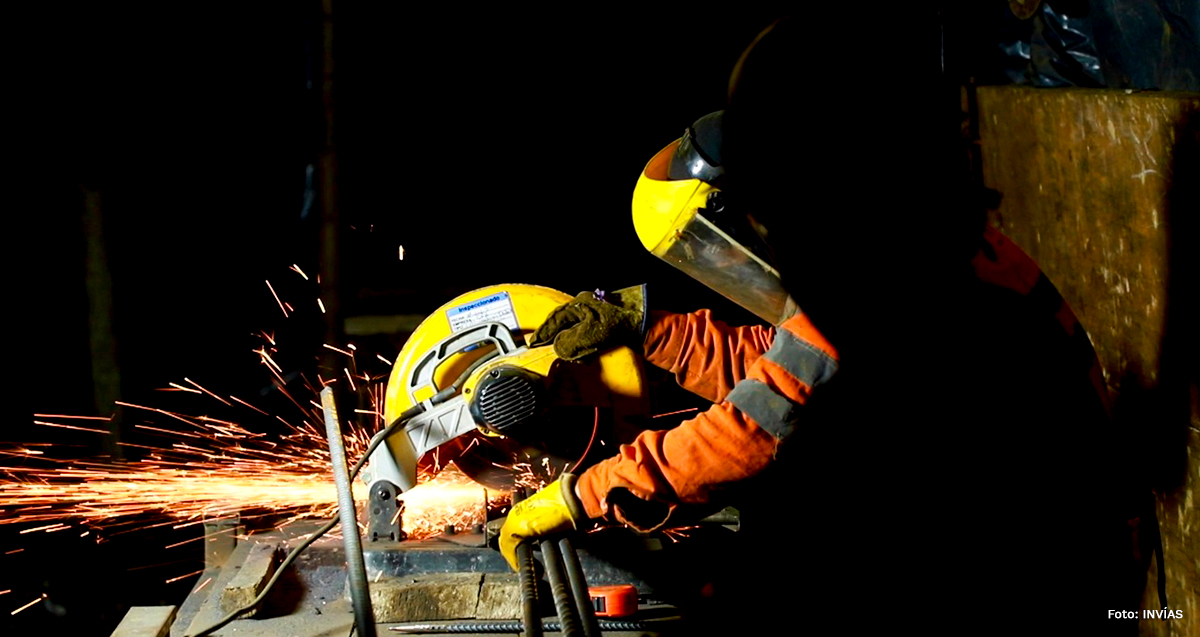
[340, 351]
[217, 469]
[385, 361]
[268, 361]
[199, 468]
[235, 398]
[674, 534]
[43, 596]
[297, 269]
[672, 413]
[55, 424]
[449, 498]
[284, 310]
[321, 305]
[401, 253]
[197, 386]
[72, 417]
[176, 579]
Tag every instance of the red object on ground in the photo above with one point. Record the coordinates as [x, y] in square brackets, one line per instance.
[614, 601]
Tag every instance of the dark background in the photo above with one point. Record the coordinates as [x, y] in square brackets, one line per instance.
[495, 147]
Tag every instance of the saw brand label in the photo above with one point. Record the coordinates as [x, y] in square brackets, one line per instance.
[495, 308]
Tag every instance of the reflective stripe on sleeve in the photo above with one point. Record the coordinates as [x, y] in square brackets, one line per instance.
[802, 360]
[772, 412]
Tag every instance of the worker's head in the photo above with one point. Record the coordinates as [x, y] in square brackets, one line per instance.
[819, 169]
[683, 217]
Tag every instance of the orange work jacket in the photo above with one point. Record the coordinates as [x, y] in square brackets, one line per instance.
[760, 378]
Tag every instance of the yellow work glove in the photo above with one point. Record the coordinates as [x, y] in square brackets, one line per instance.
[554, 509]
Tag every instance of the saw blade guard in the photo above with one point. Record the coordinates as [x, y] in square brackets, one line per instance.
[476, 338]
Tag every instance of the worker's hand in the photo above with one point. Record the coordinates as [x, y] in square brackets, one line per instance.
[554, 509]
[589, 322]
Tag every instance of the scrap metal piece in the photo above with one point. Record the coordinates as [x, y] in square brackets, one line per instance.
[220, 540]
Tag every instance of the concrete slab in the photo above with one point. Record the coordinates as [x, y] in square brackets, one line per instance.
[421, 597]
[499, 597]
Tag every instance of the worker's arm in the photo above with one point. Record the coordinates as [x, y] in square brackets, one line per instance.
[707, 356]
[733, 440]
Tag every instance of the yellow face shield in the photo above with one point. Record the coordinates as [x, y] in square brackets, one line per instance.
[675, 221]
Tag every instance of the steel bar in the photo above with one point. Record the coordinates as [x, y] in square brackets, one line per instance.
[579, 587]
[532, 625]
[364, 617]
[564, 601]
[509, 626]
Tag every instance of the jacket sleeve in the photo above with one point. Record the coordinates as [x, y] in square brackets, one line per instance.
[707, 356]
[733, 440]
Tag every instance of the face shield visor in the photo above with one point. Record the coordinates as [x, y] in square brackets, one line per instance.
[680, 217]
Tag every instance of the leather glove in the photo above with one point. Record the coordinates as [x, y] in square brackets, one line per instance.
[593, 321]
[554, 509]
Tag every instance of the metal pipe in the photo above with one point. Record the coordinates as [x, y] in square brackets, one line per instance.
[532, 625]
[579, 588]
[564, 601]
[360, 594]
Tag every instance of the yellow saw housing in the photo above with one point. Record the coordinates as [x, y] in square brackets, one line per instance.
[433, 358]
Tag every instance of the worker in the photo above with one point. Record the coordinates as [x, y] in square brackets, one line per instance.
[926, 416]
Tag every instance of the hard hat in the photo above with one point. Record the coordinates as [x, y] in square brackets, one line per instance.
[683, 218]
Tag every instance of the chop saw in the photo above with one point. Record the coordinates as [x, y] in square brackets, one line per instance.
[501, 410]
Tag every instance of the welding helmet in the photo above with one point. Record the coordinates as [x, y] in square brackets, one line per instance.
[682, 216]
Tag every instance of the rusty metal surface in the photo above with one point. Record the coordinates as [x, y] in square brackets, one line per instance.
[1100, 188]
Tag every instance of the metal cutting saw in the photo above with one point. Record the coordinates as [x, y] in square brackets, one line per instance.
[502, 411]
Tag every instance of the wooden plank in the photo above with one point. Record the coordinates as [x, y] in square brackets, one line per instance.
[146, 621]
[251, 578]
[1102, 189]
